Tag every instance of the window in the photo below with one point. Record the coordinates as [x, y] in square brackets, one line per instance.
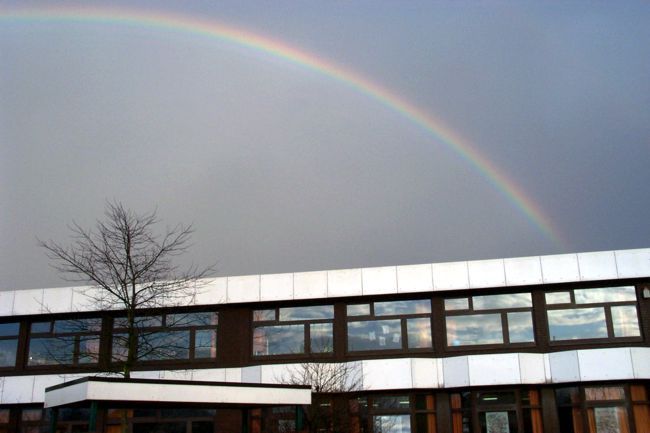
[293, 330]
[64, 342]
[489, 319]
[391, 325]
[8, 343]
[408, 413]
[607, 312]
[165, 337]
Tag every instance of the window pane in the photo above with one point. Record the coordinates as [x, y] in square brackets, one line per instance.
[88, 350]
[4, 416]
[419, 332]
[263, 315]
[191, 319]
[604, 393]
[474, 329]
[391, 402]
[358, 310]
[375, 335]
[80, 325]
[51, 351]
[164, 345]
[307, 313]
[322, 339]
[39, 327]
[492, 302]
[605, 294]
[31, 414]
[278, 340]
[577, 323]
[148, 321]
[390, 308]
[205, 343]
[8, 352]
[119, 347]
[456, 304]
[557, 298]
[392, 424]
[9, 329]
[625, 321]
[520, 327]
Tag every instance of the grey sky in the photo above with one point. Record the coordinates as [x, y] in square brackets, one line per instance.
[283, 169]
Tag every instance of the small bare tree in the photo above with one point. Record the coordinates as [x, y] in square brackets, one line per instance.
[328, 380]
[129, 267]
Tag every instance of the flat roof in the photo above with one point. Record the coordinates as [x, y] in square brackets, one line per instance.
[173, 391]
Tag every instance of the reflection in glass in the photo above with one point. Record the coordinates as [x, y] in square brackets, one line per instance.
[474, 329]
[164, 345]
[321, 337]
[557, 298]
[9, 329]
[604, 294]
[358, 310]
[51, 351]
[604, 393]
[205, 343]
[263, 315]
[206, 318]
[8, 350]
[492, 302]
[498, 421]
[88, 350]
[279, 340]
[375, 335]
[456, 304]
[391, 402]
[392, 423]
[578, 323]
[520, 327]
[80, 325]
[391, 308]
[317, 312]
[39, 327]
[419, 333]
[625, 321]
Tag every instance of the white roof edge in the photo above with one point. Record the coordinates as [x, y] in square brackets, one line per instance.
[437, 277]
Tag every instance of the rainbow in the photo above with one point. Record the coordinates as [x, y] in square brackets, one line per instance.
[213, 29]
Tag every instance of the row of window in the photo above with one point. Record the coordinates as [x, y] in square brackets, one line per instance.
[399, 325]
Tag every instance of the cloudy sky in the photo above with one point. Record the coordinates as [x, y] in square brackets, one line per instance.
[282, 167]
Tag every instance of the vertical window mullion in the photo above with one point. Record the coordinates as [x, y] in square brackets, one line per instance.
[307, 334]
[404, 333]
[609, 321]
[504, 326]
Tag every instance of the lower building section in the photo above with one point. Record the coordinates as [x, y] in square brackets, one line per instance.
[605, 407]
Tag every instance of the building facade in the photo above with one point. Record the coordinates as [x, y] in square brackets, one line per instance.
[523, 345]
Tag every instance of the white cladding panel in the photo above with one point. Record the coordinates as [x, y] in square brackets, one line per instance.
[377, 281]
[153, 374]
[560, 268]
[275, 287]
[597, 266]
[7, 302]
[605, 364]
[233, 375]
[376, 374]
[493, 369]
[244, 289]
[424, 373]
[17, 389]
[210, 375]
[564, 366]
[42, 382]
[456, 371]
[28, 301]
[641, 362]
[414, 278]
[450, 276]
[213, 291]
[58, 300]
[633, 263]
[486, 273]
[344, 282]
[177, 375]
[251, 374]
[310, 285]
[523, 270]
[532, 368]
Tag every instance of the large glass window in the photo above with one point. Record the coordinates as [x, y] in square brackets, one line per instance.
[65, 342]
[8, 343]
[391, 325]
[293, 330]
[606, 312]
[408, 413]
[489, 319]
[164, 337]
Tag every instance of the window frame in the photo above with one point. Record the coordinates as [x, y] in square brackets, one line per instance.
[78, 335]
[606, 306]
[306, 323]
[16, 338]
[372, 316]
[501, 312]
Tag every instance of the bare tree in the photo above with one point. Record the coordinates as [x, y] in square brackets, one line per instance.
[129, 267]
[330, 383]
